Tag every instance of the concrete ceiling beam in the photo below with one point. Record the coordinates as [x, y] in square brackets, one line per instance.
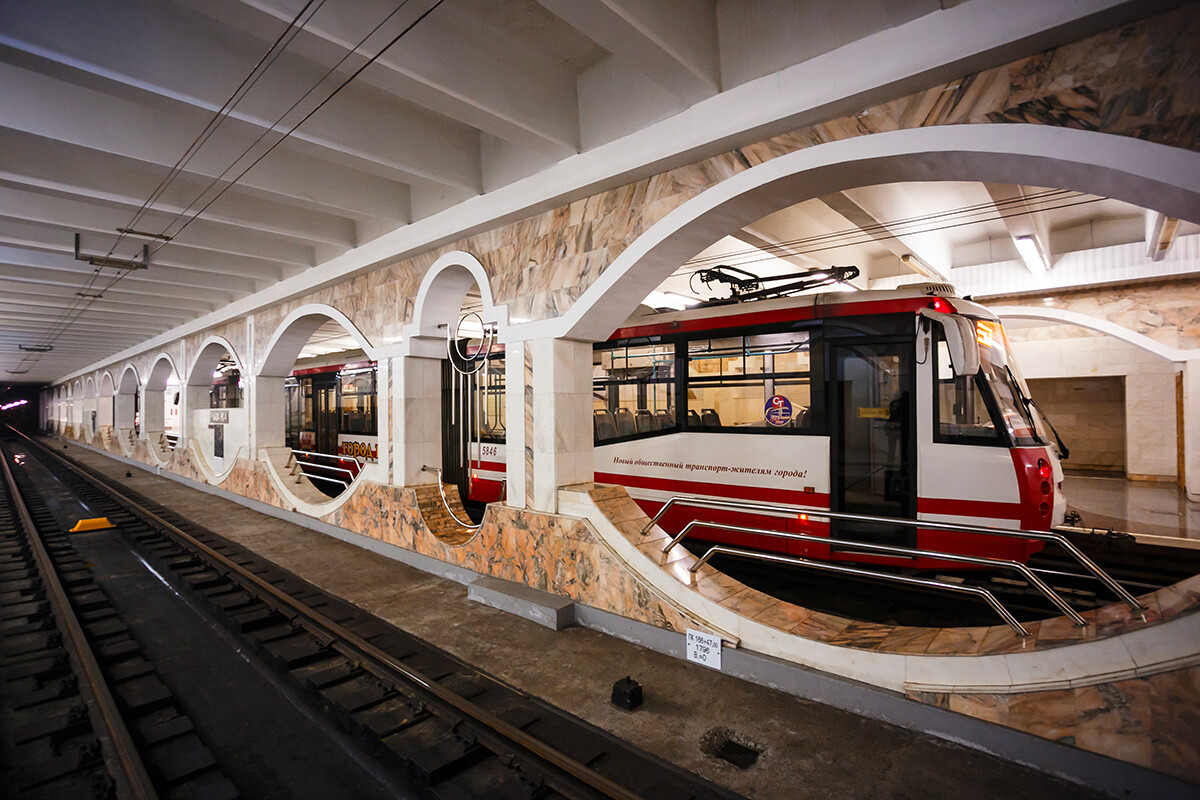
[195, 60]
[672, 42]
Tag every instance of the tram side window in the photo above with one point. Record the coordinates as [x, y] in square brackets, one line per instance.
[356, 392]
[633, 390]
[490, 384]
[735, 381]
[962, 413]
[226, 391]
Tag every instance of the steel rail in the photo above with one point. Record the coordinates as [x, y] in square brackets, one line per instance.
[129, 772]
[998, 563]
[1017, 533]
[980, 592]
[362, 651]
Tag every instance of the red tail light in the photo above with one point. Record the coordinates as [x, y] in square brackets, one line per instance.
[1044, 470]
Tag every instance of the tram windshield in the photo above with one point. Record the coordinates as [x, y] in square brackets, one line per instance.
[1009, 389]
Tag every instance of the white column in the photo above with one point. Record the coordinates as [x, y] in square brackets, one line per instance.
[515, 435]
[268, 427]
[1191, 428]
[416, 419]
[561, 418]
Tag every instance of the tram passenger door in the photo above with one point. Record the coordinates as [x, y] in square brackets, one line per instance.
[874, 447]
[326, 417]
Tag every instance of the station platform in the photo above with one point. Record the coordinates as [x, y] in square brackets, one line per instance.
[806, 749]
[1155, 509]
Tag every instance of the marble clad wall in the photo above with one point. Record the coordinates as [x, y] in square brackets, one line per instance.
[1142, 84]
[1165, 311]
[1147, 721]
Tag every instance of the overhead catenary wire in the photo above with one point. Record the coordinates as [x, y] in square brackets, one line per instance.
[800, 247]
[305, 118]
[80, 305]
[81, 308]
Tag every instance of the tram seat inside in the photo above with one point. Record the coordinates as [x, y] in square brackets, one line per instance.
[646, 421]
[665, 419]
[709, 418]
[605, 425]
[625, 423]
[693, 418]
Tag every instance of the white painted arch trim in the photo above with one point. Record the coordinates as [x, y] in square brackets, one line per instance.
[154, 368]
[211, 340]
[112, 383]
[1067, 317]
[310, 310]
[1154, 176]
[137, 381]
[439, 299]
[198, 456]
[270, 368]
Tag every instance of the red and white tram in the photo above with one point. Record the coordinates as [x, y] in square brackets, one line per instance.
[904, 403]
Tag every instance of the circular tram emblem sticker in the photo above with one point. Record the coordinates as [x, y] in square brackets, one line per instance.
[778, 410]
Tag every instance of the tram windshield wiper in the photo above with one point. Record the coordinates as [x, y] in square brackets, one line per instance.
[1032, 406]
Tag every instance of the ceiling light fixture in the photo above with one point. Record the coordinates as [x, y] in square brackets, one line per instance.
[1031, 254]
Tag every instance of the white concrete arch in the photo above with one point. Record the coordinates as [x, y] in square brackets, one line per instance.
[106, 404]
[155, 400]
[126, 407]
[1153, 176]
[91, 423]
[1067, 317]
[293, 333]
[439, 302]
[76, 409]
[269, 428]
[194, 412]
[440, 298]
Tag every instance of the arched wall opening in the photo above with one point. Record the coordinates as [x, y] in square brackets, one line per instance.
[162, 396]
[1113, 394]
[106, 407]
[1152, 176]
[453, 384]
[1145, 174]
[317, 410]
[77, 409]
[127, 408]
[90, 410]
[214, 419]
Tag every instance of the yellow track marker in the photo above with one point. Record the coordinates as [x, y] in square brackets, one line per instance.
[96, 524]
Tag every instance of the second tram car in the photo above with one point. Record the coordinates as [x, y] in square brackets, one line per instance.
[902, 403]
[331, 422]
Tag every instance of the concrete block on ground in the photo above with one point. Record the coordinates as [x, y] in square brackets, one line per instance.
[554, 611]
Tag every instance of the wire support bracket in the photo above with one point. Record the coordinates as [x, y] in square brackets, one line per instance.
[114, 263]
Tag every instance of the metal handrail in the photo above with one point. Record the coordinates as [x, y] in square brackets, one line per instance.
[1017, 533]
[295, 452]
[351, 473]
[323, 478]
[445, 501]
[115, 740]
[999, 563]
[980, 592]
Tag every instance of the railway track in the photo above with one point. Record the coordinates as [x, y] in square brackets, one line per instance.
[452, 731]
[85, 714]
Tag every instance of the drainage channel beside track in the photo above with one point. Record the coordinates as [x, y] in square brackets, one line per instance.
[451, 730]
